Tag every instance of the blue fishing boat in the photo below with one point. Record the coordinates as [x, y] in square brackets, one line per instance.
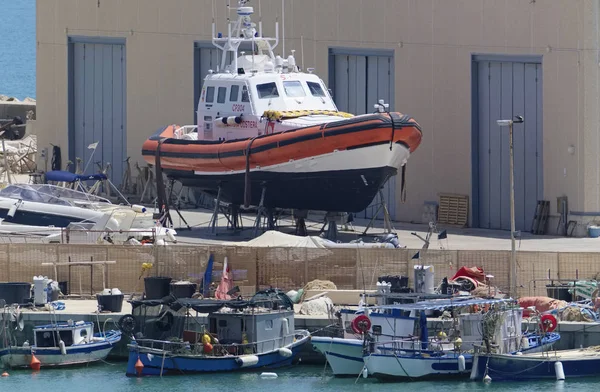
[61, 344]
[497, 326]
[559, 365]
[205, 335]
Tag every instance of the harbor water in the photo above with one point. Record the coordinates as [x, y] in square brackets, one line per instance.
[17, 48]
[302, 378]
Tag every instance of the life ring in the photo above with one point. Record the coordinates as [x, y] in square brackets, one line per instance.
[127, 323]
[361, 324]
[548, 323]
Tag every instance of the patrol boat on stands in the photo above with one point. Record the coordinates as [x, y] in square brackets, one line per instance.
[269, 134]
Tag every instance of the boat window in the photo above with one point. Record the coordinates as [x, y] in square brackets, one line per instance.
[83, 333]
[234, 93]
[293, 88]
[245, 97]
[315, 89]
[269, 324]
[267, 90]
[210, 94]
[221, 94]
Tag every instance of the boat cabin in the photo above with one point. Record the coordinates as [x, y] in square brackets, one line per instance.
[261, 331]
[251, 80]
[71, 334]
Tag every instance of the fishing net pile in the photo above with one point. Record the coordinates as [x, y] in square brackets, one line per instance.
[318, 284]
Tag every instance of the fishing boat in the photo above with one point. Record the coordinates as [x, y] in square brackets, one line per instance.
[61, 344]
[269, 134]
[559, 365]
[548, 364]
[206, 335]
[450, 354]
[345, 354]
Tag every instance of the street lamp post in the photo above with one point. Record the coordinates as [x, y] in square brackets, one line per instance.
[513, 256]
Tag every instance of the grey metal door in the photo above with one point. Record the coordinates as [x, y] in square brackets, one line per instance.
[98, 107]
[506, 89]
[359, 81]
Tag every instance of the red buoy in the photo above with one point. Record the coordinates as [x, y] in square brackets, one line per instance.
[35, 363]
[139, 366]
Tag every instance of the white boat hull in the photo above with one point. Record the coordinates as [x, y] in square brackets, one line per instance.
[399, 367]
[344, 356]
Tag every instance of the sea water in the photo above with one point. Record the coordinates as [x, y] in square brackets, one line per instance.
[17, 48]
[300, 378]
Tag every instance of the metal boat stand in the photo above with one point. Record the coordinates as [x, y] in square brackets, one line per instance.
[300, 219]
[387, 220]
[331, 221]
[231, 212]
[264, 212]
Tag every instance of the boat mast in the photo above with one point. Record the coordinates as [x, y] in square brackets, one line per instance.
[239, 31]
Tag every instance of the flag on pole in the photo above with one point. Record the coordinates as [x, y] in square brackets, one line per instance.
[207, 279]
[416, 256]
[442, 235]
[226, 283]
[93, 146]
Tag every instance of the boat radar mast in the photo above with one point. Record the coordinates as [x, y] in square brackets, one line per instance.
[243, 30]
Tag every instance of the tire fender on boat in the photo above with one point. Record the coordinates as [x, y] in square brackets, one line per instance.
[127, 323]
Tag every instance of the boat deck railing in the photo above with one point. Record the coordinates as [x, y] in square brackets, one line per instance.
[435, 345]
[182, 131]
[219, 349]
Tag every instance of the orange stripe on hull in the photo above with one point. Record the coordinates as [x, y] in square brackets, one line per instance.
[282, 147]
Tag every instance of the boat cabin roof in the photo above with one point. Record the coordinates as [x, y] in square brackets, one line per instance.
[263, 300]
[447, 303]
[63, 326]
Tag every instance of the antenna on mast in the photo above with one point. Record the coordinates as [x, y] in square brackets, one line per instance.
[302, 51]
[283, 28]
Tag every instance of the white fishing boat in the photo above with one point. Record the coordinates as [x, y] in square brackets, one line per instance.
[61, 344]
[450, 354]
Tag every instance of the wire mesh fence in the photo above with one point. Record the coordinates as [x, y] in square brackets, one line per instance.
[286, 268]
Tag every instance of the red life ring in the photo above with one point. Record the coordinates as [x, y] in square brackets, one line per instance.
[548, 323]
[361, 324]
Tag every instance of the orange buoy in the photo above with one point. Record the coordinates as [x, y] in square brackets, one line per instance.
[139, 366]
[35, 363]
[208, 348]
[5, 374]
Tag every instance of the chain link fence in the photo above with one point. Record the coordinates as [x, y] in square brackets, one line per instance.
[286, 268]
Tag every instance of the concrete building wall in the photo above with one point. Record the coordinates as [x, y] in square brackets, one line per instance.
[433, 43]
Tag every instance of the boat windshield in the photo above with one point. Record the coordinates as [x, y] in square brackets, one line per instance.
[46, 193]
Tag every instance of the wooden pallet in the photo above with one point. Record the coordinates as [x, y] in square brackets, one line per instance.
[453, 209]
[540, 217]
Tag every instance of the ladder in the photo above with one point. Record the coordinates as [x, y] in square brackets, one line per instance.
[540, 217]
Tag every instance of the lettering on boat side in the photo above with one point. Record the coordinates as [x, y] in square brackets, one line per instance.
[238, 108]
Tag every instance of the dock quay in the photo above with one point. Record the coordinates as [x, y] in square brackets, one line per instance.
[541, 260]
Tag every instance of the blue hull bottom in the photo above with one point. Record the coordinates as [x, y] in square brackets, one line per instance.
[178, 365]
[514, 368]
